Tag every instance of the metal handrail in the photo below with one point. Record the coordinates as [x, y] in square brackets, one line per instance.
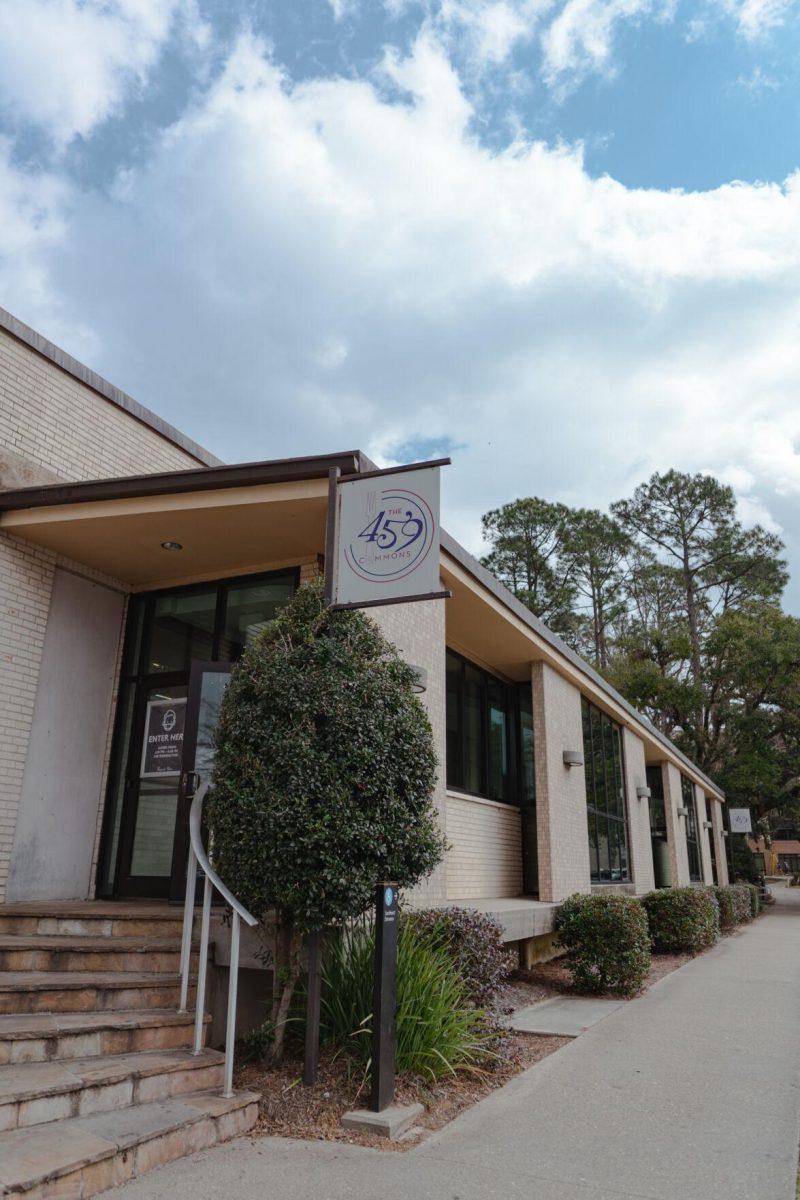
[198, 857]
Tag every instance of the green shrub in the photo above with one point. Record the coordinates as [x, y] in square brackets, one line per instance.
[742, 902]
[682, 920]
[606, 941]
[755, 899]
[725, 904]
[438, 1030]
[474, 945]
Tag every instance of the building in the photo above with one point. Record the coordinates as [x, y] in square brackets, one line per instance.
[127, 552]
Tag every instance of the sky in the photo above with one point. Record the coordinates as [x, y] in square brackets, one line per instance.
[558, 240]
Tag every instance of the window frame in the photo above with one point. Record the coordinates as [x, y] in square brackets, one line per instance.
[605, 776]
[692, 830]
[515, 791]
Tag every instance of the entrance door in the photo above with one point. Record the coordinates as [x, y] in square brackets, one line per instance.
[164, 702]
[207, 683]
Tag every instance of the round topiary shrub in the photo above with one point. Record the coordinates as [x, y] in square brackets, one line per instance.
[607, 943]
[474, 944]
[683, 920]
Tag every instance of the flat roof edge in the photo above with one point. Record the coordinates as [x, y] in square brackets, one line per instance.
[507, 598]
[197, 479]
[85, 375]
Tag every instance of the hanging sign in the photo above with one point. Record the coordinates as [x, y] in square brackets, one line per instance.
[386, 532]
[740, 820]
[162, 749]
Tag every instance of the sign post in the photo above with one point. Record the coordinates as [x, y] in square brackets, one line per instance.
[384, 997]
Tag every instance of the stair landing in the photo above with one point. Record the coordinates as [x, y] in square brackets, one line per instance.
[98, 1082]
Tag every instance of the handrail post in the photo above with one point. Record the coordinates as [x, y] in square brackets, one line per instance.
[199, 1016]
[233, 983]
[188, 925]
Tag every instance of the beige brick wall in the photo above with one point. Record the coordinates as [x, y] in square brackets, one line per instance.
[561, 824]
[485, 858]
[639, 843]
[51, 427]
[418, 632]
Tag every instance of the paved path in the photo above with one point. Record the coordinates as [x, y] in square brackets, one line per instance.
[690, 1093]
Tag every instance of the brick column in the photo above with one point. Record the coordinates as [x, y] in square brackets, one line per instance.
[640, 845]
[720, 843]
[676, 828]
[562, 828]
[703, 835]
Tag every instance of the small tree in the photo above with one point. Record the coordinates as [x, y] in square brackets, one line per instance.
[323, 778]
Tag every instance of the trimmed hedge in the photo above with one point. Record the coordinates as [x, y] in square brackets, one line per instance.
[726, 904]
[682, 920]
[474, 944]
[743, 902]
[606, 941]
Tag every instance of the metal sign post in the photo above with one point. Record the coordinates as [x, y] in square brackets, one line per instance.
[384, 997]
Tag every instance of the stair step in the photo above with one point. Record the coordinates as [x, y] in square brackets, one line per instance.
[92, 918]
[86, 991]
[43, 952]
[33, 1093]
[81, 1156]
[44, 1037]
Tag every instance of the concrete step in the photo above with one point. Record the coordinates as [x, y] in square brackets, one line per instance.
[44, 1037]
[33, 1093]
[86, 991]
[92, 918]
[81, 1156]
[43, 952]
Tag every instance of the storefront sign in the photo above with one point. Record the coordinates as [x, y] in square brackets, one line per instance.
[387, 538]
[162, 750]
[740, 820]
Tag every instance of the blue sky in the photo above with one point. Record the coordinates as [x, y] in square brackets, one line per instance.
[557, 238]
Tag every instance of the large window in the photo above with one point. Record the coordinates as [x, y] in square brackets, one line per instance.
[692, 844]
[605, 796]
[489, 734]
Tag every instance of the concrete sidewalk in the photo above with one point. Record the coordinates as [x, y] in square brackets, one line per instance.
[690, 1093]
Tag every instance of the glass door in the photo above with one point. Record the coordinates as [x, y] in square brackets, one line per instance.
[144, 844]
[207, 683]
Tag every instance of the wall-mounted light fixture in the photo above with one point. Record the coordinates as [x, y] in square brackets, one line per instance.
[420, 679]
[683, 812]
[643, 793]
[724, 832]
[573, 758]
[708, 824]
[172, 545]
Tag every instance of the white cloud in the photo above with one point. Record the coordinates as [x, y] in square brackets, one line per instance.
[755, 18]
[304, 267]
[66, 65]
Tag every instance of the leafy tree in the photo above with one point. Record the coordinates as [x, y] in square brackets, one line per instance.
[323, 778]
[596, 548]
[528, 555]
[690, 521]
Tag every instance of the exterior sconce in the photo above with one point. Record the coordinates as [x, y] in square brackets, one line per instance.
[683, 812]
[643, 793]
[724, 833]
[708, 824]
[573, 758]
[420, 679]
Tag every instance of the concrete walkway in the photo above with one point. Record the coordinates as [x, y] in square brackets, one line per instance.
[690, 1093]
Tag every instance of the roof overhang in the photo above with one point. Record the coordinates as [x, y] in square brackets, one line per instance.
[228, 520]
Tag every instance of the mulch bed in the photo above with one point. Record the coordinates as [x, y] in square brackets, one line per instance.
[553, 978]
[289, 1109]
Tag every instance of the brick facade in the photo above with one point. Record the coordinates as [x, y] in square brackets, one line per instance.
[52, 427]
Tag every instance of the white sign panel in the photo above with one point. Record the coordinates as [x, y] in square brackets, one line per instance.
[388, 538]
[740, 820]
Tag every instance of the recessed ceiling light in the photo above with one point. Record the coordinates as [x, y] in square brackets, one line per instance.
[171, 546]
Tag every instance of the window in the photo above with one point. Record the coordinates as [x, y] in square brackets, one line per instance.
[489, 734]
[658, 816]
[605, 796]
[692, 844]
